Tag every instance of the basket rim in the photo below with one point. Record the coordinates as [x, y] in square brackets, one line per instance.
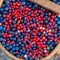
[48, 5]
[15, 58]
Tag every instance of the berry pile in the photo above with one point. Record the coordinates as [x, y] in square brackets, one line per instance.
[56, 1]
[28, 30]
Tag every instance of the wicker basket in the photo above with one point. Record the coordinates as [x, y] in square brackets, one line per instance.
[56, 48]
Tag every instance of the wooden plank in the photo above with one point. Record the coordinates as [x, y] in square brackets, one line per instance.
[1, 1]
[48, 5]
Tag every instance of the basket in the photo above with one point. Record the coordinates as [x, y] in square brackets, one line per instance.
[57, 10]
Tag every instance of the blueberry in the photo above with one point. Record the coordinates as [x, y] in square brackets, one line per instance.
[31, 22]
[21, 7]
[58, 22]
[1, 27]
[56, 25]
[29, 13]
[37, 23]
[16, 48]
[1, 39]
[55, 35]
[32, 36]
[23, 3]
[6, 8]
[13, 0]
[39, 34]
[46, 22]
[37, 14]
[7, 2]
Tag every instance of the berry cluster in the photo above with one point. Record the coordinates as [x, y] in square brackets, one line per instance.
[28, 30]
[56, 1]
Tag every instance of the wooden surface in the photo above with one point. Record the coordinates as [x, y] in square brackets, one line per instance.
[48, 5]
